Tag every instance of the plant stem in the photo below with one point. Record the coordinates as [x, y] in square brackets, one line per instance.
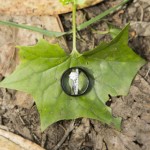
[74, 49]
[74, 25]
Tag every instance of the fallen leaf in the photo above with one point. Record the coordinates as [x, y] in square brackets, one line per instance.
[23, 100]
[43, 7]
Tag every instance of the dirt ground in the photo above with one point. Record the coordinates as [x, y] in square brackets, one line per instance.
[88, 134]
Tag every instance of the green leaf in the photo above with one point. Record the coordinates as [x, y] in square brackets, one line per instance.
[32, 28]
[112, 67]
[78, 2]
[113, 31]
[66, 2]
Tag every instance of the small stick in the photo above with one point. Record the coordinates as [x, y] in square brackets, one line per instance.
[147, 73]
[18, 140]
[142, 13]
[3, 127]
[71, 127]
[22, 120]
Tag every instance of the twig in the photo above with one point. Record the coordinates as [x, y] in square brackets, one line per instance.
[22, 120]
[35, 137]
[142, 13]
[4, 127]
[70, 128]
[147, 73]
[23, 143]
[43, 139]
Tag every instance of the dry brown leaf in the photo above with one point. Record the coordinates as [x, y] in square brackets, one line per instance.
[141, 28]
[24, 100]
[10, 37]
[10, 141]
[42, 7]
[146, 1]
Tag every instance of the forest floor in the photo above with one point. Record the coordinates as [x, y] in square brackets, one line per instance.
[22, 118]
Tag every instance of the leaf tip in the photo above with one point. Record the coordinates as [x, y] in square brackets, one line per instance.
[44, 126]
[117, 123]
[18, 46]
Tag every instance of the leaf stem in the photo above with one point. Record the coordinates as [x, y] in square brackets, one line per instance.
[74, 25]
[74, 49]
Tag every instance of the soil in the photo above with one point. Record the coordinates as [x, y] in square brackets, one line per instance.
[83, 133]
